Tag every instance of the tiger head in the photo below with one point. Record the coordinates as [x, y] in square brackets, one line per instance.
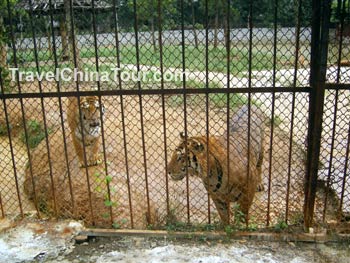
[91, 111]
[186, 157]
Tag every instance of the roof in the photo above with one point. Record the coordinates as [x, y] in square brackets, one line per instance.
[43, 6]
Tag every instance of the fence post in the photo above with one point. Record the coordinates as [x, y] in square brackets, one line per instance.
[319, 52]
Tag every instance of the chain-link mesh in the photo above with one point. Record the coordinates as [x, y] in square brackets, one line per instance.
[227, 56]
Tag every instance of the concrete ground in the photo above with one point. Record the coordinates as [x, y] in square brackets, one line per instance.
[47, 241]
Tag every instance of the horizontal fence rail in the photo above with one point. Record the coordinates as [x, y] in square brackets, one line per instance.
[103, 101]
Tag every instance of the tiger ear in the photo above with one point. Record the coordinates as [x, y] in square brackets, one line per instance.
[197, 146]
[182, 136]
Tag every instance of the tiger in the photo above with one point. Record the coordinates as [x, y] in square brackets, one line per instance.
[222, 163]
[239, 124]
[225, 181]
[85, 128]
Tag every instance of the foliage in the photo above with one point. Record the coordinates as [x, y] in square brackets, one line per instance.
[281, 225]
[3, 129]
[35, 133]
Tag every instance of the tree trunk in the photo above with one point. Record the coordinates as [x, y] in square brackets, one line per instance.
[3, 49]
[71, 42]
[216, 25]
[194, 26]
[153, 35]
[64, 40]
[48, 34]
[226, 34]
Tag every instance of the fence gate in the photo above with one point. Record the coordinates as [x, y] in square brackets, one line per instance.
[267, 82]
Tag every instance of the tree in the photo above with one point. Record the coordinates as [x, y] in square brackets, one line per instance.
[4, 41]
[147, 13]
[218, 11]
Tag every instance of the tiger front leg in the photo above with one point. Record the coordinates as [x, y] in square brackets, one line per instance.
[245, 201]
[92, 154]
[223, 209]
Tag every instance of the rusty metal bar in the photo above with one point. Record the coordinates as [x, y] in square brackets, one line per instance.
[228, 111]
[76, 65]
[164, 91]
[319, 51]
[346, 175]
[335, 111]
[160, 43]
[184, 88]
[1, 207]
[13, 42]
[141, 106]
[342, 20]
[116, 27]
[272, 112]
[291, 134]
[207, 95]
[43, 110]
[100, 108]
[8, 128]
[61, 108]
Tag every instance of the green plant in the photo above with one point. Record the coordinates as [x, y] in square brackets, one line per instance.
[276, 120]
[281, 225]
[239, 217]
[3, 129]
[229, 230]
[35, 133]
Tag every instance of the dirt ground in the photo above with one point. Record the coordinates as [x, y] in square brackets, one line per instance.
[138, 166]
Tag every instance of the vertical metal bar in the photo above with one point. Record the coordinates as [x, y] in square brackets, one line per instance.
[183, 57]
[272, 111]
[60, 107]
[331, 154]
[13, 42]
[116, 33]
[250, 56]
[2, 207]
[43, 109]
[141, 106]
[342, 20]
[319, 52]
[100, 108]
[345, 174]
[12, 153]
[335, 111]
[207, 94]
[75, 62]
[160, 44]
[297, 50]
[228, 84]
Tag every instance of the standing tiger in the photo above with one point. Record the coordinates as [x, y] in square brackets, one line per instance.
[226, 178]
[85, 126]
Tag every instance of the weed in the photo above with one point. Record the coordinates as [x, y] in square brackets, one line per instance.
[35, 133]
[276, 120]
[3, 129]
[229, 230]
[281, 225]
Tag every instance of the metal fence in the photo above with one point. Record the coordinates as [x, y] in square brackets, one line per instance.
[296, 72]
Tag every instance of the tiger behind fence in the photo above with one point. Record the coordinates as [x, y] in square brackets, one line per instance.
[226, 178]
[239, 124]
[85, 125]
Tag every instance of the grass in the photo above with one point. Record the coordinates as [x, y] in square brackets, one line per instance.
[262, 57]
[218, 100]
